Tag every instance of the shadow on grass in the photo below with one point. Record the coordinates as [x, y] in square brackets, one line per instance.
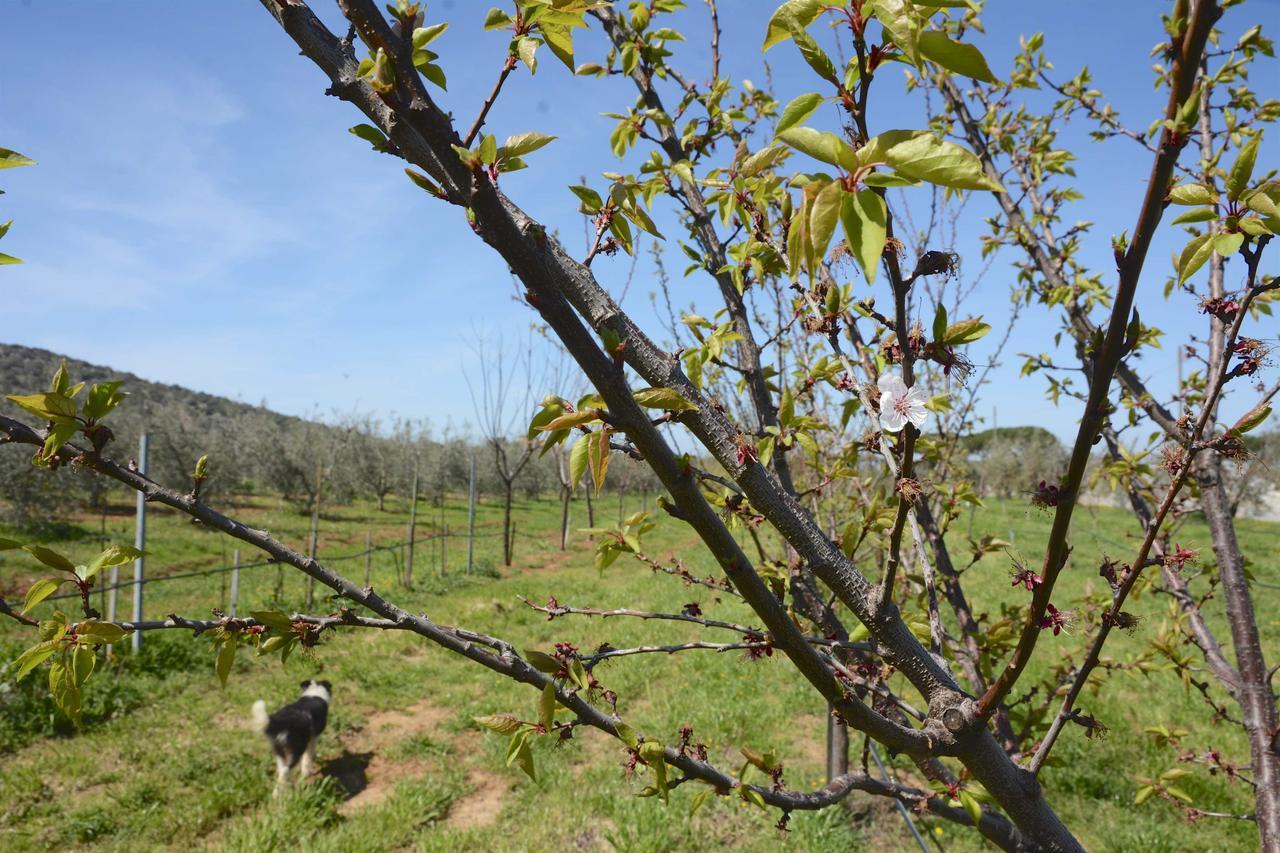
[348, 770]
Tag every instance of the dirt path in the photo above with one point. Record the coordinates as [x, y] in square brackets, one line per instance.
[369, 776]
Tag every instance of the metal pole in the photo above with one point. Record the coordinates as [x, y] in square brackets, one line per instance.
[112, 594]
[413, 526]
[368, 555]
[139, 542]
[471, 517]
[235, 582]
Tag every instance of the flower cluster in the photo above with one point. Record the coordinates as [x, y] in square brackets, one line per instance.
[1223, 307]
[1179, 557]
[1025, 577]
[1047, 495]
[1055, 619]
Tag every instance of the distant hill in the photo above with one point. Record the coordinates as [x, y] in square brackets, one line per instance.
[27, 370]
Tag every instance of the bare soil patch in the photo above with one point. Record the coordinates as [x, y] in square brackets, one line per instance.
[481, 806]
[364, 771]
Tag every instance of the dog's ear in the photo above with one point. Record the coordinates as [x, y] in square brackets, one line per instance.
[304, 685]
[326, 685]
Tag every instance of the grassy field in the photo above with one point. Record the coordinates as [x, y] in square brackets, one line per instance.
[166, 758]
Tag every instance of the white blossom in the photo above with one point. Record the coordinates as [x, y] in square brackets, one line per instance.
[899, 404]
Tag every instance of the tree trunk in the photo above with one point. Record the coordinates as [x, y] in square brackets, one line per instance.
[591, 507]
[506, 523]
[1254, 693]
[564, 517]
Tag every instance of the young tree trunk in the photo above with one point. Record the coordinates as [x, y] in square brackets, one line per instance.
[564, 517]
[1254, 691]
[506, 522]
[591, 508]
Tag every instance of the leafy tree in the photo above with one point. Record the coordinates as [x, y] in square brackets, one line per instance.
[807, 403]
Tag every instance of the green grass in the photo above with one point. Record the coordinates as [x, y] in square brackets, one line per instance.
[166, 759]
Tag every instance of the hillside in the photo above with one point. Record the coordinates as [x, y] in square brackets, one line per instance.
[27, 370]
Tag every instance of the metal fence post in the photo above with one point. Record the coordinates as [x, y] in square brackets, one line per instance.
[235, 582]
[139, 542]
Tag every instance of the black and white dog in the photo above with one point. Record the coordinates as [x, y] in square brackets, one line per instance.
[293, 729]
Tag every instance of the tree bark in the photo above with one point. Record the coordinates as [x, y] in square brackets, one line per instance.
[506, 522]
[1256, 703]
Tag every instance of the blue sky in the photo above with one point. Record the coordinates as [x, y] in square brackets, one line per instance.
[201, 216]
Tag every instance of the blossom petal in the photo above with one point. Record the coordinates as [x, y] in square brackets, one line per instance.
[891, 420]
[917, 414]
[891, 383]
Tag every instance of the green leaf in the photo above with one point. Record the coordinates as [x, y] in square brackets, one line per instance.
[273, 619]
[626, 735]
[1227, 244]
[940, 162]
[8, 259]
[9, 544]
[39, 591]
[32, 658]
[789, 17]
[1144, 794]
[966, 331]
[823, 216]
[961, 58]
[698, 799]
[972, 806]
[547, 706]
[370, 134]
[663, 398]
[1262, 203]
[591, 201]
[102, 400]
[570, 420]
[1192, 195]
[820, 145]
[1194, 255]
[578, 460]
[107, 632]
[226, 658]
[886, 180]
[47, 406]
[598, 457]
[524, 143]
[1195, 214]
[815, 56]
[1252, 419]
[800, 108]
[865, 229]
[503, 724]
[940, 323]
[66, 694]
[488, 149]
[424, 36]
[115, 555]
[12, 159]
[526, 49]
[559, 41]
[496, 19]
[83, 660]
[902, 23]
[50, 558]
[1242, 169]
[518, 752]
[542, 661]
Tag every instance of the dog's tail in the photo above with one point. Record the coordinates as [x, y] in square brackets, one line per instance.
[260, 718]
